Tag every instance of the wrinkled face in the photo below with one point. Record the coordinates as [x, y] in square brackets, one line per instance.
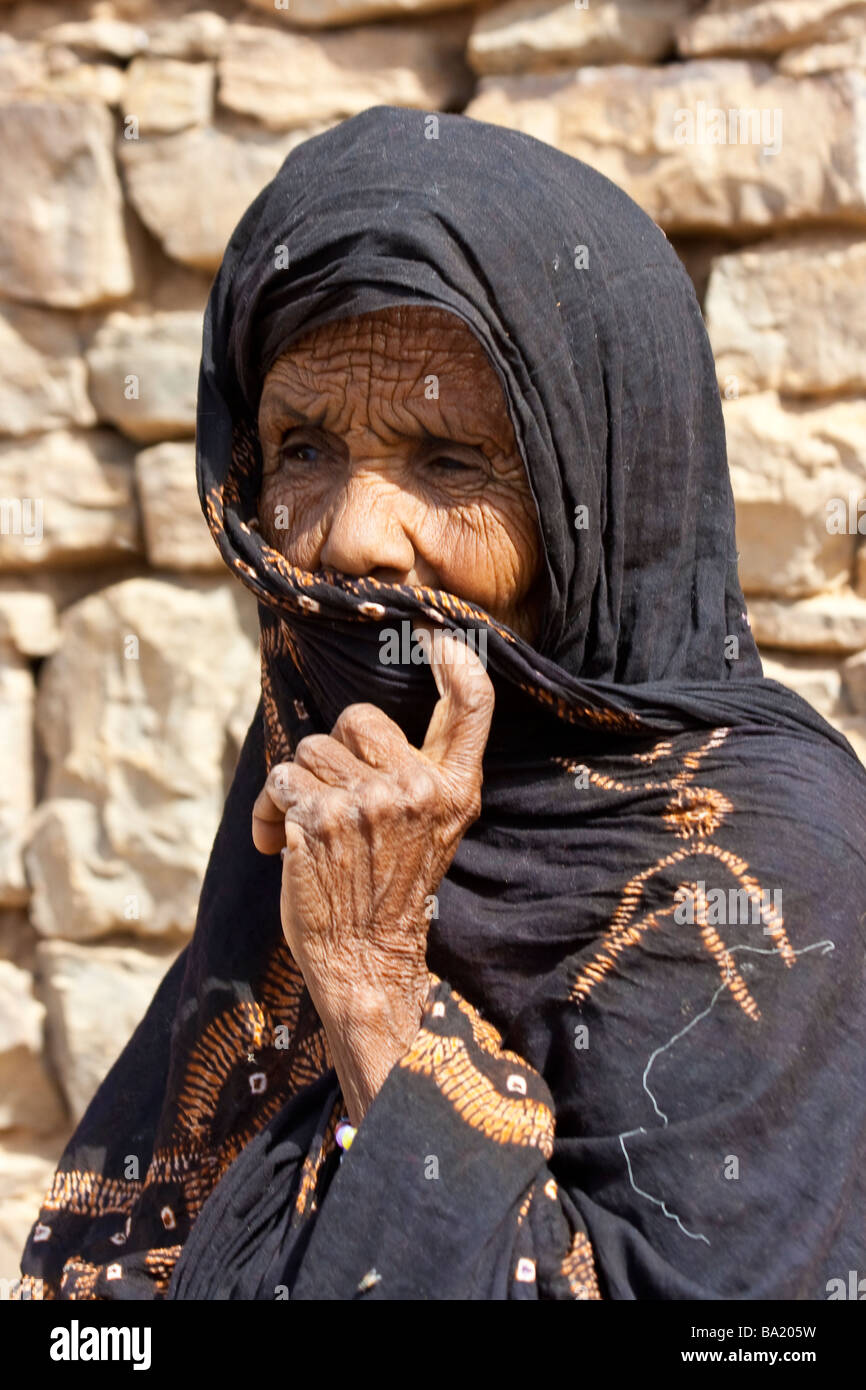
[388, 450]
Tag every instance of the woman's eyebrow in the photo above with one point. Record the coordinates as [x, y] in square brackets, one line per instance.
[282, 407]
[427, 438]
[447, 441]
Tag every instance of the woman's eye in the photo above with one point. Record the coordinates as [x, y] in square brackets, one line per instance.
[444, 463]
[304, 453]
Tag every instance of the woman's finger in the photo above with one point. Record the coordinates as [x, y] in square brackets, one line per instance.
[292, 792]
[373, 738]
[329, 760]
[460, 725]
[268, 820]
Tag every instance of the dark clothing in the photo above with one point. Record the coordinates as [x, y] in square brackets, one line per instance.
[640, 1070]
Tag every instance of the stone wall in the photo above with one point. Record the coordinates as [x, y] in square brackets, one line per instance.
[135, 134]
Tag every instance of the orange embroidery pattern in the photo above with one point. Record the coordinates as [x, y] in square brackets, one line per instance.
[692, 814]
[84, 1275]
[305, 1202]
[507, 1120]
[524, 1207]
[161, 1263]
[90, 1194]
[578, 1268]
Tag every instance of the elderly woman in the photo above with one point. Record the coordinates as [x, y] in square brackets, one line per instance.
[529, 960]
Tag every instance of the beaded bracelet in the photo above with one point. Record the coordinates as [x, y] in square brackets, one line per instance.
[344, 1134]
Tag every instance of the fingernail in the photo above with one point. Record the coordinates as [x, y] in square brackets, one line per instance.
[283, 851]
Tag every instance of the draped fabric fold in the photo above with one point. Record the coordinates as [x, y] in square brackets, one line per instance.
[639, 1072]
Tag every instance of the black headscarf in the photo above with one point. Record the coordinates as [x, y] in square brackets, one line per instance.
[639, 1072]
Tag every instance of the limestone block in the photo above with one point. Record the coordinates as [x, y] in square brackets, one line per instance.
[192, 188]
[175, 531]
[798, 472]
[833, 623]
[114, 37]
[61, 204]
[535, 35]
[853, 676]
[43, 375]
[197, 34]
[788, 314]
[285, 80]
[16, 772]
[166, 94]
[766, 26]
[702, 146]
[67, 498]
[144, 373]
[132, 713]
[28, 1097]
[824, 57]
[321, 14]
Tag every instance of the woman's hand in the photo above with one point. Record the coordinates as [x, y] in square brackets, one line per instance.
[370, 825]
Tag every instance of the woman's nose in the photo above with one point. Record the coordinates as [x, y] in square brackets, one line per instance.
[366, 534]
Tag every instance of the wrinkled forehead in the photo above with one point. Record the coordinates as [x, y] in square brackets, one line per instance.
[406, 341]
[420, 328]
[418, 357]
